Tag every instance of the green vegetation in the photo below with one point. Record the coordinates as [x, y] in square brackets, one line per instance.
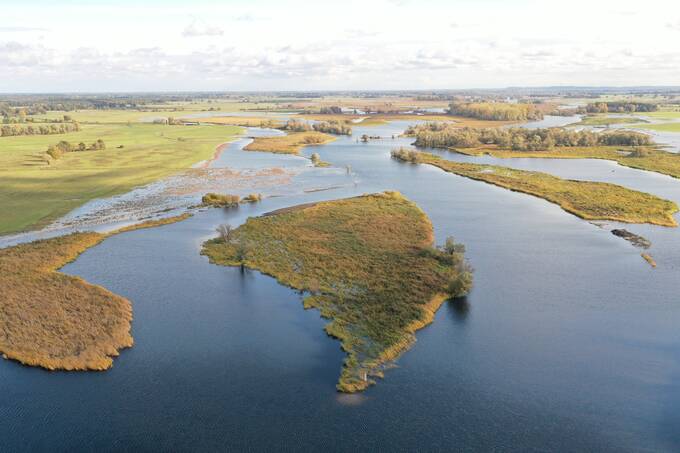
[219, 200]
[621, 107]
[252, 198]
[38, 129]
[332, 126]
[443, 135]
[368, 265]
[34, 193]
[593, 120]
[641, 158]
[663, 127]
[496, 111]
[585, 199]
[288, 144]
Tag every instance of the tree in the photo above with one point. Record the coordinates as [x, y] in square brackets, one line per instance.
[226, 232]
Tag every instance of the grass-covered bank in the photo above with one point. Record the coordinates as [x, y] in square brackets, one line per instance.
[369, 266]
[57, 321]
[585, 199]
[288, 144]
[34, 192]
[642, 158]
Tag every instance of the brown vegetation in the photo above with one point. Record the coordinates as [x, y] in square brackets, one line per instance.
[288, 144]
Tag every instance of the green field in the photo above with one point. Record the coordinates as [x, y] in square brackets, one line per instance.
[34, 192]
[664, 127]
[605, 120]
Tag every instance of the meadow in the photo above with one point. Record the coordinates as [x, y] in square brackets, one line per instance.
[367, 263]
[36, 191]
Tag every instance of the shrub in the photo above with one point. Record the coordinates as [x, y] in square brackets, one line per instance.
[219, 200]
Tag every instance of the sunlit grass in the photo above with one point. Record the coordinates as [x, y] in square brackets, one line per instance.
[34, 192]
[585, 199]
[368, 264]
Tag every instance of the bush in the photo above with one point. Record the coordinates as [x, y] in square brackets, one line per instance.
[252, 198]
[219, 200]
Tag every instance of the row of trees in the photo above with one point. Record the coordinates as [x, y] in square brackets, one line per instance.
[496, 111]
[172, 121]
[447, 136]
[58, 150]
[331, 110]
[621, 107]
[329, 127]
[38, 129]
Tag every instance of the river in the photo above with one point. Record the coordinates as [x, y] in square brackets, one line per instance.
[569, 340]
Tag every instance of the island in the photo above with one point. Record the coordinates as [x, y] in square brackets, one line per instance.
[288, 144]
[586, 199]
[367, 263]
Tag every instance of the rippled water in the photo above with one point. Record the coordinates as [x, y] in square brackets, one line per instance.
[569, 340]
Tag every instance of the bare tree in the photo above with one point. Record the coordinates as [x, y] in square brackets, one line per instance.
[226, 231]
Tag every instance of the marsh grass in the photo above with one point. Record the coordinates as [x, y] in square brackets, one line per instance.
[585, 199]
[57, 321]
[367, 263]
[288, 144]
[642, 158]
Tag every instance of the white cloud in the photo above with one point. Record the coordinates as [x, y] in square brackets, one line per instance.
[200, 28]
[298, 45]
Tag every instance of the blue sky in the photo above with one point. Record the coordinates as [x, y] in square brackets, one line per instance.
[72, 45]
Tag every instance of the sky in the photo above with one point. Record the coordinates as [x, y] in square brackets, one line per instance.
[210, 45]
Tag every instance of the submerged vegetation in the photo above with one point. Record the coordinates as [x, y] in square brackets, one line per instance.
[288, 144]
[585, 199]
[367, 263]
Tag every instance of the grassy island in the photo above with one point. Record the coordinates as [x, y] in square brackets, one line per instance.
[54, 320]
[368, 264]
[288, 144]
[585, 199]
[57, 321]
[628, 148]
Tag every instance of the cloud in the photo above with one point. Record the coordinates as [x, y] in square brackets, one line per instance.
[674, 26]
[20, 29]
[199, 28]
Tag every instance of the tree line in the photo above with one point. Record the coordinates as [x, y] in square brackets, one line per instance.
[38, 129]
[621, 107]
[440, 135]
[328, 127]
[496, 111]
[58, 150]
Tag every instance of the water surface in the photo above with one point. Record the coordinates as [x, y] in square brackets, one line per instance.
[569, 340]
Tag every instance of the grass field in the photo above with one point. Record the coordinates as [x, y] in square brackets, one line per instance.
[288, 144]
[378, 119]
[651, 159]
[244, 121]
[368, 264]
[664, 127]
[604, 120]
[34, 193]
[585, 199]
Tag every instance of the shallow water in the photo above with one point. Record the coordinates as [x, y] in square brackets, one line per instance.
[569, 340]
